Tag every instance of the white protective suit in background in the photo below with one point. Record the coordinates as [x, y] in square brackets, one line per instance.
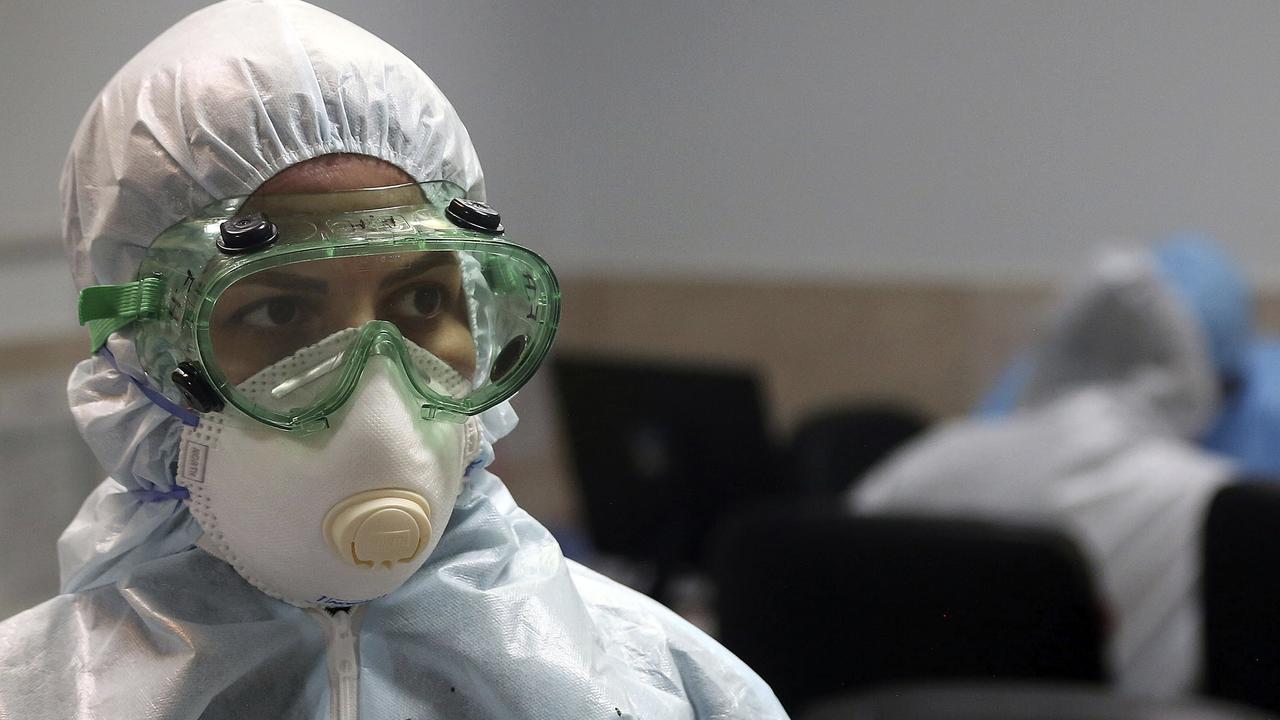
[1098, 447]
[496, 624]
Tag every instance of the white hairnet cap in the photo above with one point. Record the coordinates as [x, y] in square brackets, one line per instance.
[1123, 327]
[225, 99]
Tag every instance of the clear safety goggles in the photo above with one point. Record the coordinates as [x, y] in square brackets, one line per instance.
[274, 305]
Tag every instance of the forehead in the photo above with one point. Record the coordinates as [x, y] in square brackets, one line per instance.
[323, 184]
[330, 173]
[389, 266]
[334, 203]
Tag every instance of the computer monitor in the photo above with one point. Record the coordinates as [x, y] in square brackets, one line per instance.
[661, 452]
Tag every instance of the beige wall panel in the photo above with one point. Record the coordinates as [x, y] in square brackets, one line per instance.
[931, 346]
[935, 347]
[1268, 313]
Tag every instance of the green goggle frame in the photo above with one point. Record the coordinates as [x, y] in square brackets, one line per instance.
[192, 264]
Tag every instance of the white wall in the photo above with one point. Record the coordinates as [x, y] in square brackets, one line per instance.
[970, 140]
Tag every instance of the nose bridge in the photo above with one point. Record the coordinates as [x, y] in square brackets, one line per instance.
[384, 346]
[356, 304]
[382, 338]
[361, 311]
[382, 343]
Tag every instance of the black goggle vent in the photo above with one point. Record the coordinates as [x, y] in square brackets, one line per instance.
[246, 233]
[474, 215]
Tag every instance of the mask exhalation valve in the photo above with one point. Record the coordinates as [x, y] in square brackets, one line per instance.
[379, 528]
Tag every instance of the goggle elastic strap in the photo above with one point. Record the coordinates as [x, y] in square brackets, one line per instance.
[107, 308]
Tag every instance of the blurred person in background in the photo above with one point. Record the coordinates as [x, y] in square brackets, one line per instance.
[1247, 426]
[1100, 446]
[297, 414]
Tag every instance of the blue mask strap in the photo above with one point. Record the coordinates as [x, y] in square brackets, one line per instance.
[177, 492]
[187, 417]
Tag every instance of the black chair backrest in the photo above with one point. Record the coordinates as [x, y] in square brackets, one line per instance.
[1019, 702]
[831, 450]
[821, 603]
[654, 469]
[1241, 589]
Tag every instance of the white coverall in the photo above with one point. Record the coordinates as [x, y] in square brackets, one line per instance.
[1099, 448]
[496, 624]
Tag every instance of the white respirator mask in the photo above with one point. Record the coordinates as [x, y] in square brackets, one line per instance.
[338, 516]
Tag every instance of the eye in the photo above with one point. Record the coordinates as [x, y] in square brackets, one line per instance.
[420, 301]
[270, 313]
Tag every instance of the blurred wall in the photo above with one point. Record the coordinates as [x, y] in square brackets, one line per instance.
[45, 470]
[972, 140]
[860, 198]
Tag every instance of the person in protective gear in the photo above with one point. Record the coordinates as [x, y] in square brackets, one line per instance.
[307, 324]
[1247, 426]
[1098, 446]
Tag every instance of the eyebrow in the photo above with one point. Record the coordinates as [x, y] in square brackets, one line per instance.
[429, 261]
[301, 283]
[289, 281]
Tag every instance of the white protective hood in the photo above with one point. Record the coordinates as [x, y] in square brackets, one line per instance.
[1122, 327]
[496, 624]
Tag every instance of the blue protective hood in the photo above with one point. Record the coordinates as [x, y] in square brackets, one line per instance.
[1248, 428]
[1215, 291]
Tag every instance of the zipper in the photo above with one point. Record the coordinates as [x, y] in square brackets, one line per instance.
[342, 652]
